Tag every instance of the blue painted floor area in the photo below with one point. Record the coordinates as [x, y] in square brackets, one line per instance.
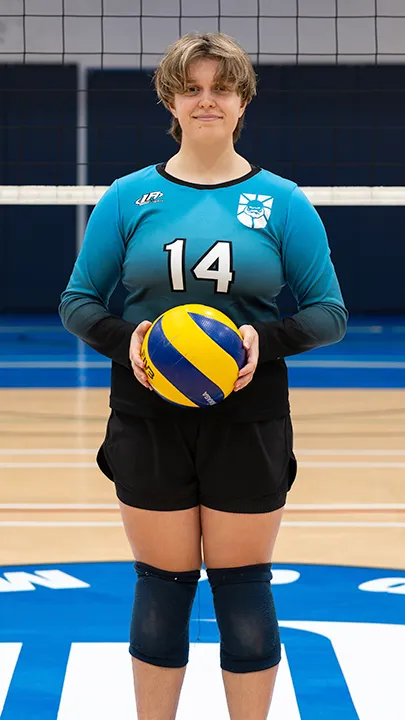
[36, 351]
[334, 623]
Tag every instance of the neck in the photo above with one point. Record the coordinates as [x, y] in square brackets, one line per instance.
[207, 164]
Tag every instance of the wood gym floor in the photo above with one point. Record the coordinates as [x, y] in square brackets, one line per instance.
[347, 505]
[338, 567]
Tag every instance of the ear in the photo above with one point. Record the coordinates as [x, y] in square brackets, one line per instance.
[173, 110]
[242, 108]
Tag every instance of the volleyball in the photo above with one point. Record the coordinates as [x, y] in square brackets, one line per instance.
[192, 355]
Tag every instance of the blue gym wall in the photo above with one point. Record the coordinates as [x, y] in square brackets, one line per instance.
[318, 125]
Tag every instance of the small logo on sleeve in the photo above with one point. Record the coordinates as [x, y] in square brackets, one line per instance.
[152, 197]
[254, 210]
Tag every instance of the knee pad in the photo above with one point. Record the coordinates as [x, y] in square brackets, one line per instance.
[160, 622]
[246, 617]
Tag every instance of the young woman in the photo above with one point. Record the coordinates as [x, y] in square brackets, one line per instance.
[204, 227]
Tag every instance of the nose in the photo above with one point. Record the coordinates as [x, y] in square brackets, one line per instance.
[207, 99]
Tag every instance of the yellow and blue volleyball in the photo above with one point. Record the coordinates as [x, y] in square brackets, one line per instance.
[192, 355]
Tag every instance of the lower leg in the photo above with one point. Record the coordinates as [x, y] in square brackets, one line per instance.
[159, 638]
[157, 690]
[249, 694]
[250, 639]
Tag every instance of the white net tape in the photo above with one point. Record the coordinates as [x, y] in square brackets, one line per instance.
[90, 195]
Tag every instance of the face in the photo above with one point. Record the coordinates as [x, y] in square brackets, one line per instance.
[207, 111]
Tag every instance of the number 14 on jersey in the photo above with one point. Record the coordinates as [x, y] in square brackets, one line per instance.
[214, 265]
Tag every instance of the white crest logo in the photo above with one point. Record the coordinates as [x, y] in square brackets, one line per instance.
[254, 210]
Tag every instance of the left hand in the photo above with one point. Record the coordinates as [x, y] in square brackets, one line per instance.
[251, 345]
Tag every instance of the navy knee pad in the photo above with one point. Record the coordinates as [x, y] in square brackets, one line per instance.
[246, 617]
[161, 615]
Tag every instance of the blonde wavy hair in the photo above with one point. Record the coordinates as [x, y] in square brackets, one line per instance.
[234, 69]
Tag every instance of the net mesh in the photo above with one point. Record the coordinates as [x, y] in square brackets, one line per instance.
[132, 33]
[77, 106]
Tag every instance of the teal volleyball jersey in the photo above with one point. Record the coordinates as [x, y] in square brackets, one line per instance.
[232, 246]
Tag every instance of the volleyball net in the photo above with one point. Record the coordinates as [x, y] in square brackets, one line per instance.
[78, 108]
[89, 195]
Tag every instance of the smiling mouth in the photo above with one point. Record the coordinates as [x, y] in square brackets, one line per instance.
[207, 118]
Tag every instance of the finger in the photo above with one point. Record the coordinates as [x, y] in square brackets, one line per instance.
[249, 368]
[254, 353]
[136, 343]
[248, 334]
[141, 376]
[143, 381]
[240, 384]
[139, 333]
[251, 360]
[142, 329]
[137, 360]
[248, 340]
[252, 350]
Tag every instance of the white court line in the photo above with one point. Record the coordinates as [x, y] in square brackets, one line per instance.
[362, 329]
[290, 506]
[60, 506]
[49, 451]
[60, 523]
[9, 653]
[92, 451]
[43, 465]
[302, 464]
[92, 690]
[356, 647]
[371, 453]
[96, 523]
[339, 464]
[325, 524]
[345, 506]
[352, 364]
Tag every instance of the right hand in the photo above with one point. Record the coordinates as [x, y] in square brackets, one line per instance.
[135, 352]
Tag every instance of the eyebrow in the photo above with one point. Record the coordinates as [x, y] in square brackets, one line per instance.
[190, 81]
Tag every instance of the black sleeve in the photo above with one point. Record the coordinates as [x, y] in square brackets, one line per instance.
[111, 336]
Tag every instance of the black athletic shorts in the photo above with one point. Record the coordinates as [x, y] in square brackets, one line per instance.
[242, 467]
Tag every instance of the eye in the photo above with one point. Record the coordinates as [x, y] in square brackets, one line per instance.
[191, 89]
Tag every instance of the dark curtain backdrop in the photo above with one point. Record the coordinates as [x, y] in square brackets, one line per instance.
[317, 125]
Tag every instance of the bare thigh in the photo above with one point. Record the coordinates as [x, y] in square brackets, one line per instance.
[167, 540]
[172, 540]
[236, 539]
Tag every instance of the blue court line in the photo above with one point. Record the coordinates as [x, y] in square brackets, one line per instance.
[38, 352]
[337, 377]
[304, 377]
[79, 364]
